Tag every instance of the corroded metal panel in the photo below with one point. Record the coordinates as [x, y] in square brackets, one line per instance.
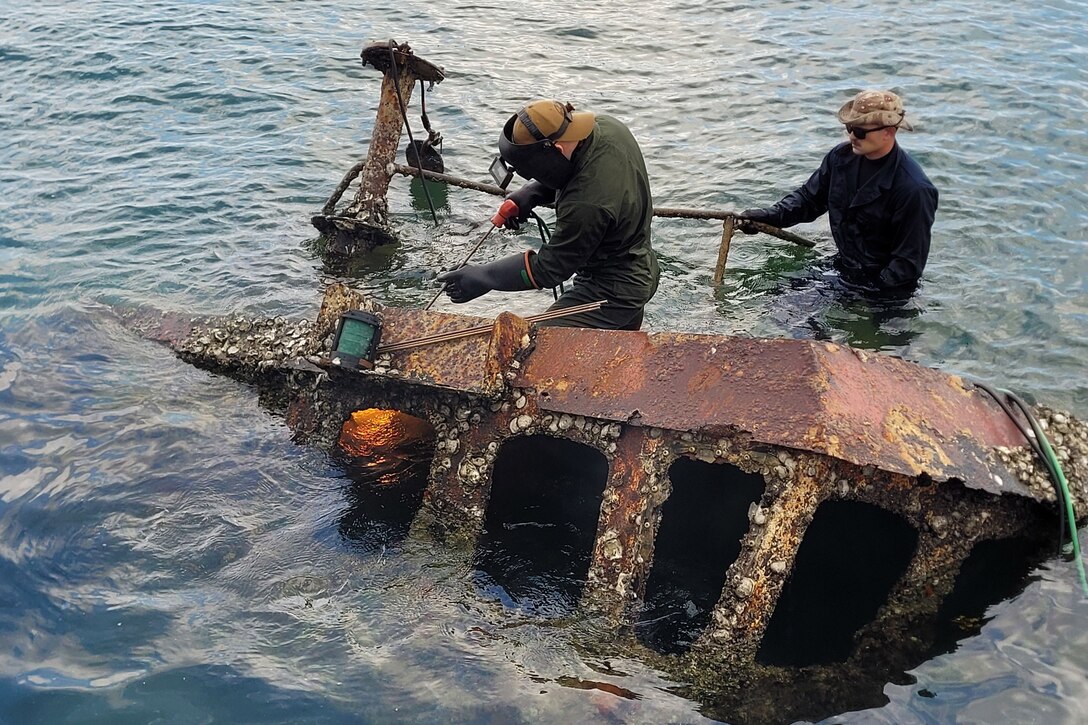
[476, 363]
[672, 380]
[909, 419]
[820, 397]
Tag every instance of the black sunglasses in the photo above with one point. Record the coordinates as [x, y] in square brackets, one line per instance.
[860, 133]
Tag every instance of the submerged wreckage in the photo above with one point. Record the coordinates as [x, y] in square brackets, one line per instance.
[835, 438]
[801, 444]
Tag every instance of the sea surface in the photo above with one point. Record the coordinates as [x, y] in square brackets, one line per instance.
[169, 554]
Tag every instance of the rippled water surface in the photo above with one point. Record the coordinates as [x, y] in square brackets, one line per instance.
[168, 554]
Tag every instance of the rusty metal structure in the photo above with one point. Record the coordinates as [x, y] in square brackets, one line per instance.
[364, 223]
[819, 422]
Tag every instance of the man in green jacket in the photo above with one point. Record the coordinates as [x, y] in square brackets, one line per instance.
[591, 167]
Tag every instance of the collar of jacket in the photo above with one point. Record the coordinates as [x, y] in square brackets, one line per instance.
[581, 153]
[848, 164]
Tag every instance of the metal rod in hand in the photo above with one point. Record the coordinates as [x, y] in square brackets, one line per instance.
[481, 329]
[664, 212]
[760, 226]
[463, 263]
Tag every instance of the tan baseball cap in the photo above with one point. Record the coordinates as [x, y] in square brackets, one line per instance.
[882, 108]
[549, 117]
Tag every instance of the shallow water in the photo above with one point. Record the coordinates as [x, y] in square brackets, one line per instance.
[168, 552]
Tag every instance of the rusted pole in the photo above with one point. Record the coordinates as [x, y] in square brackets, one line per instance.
[446, 178]
[723, 250]
[369, 204]
[765, 228]
[330, 205]
[664, 212]
[364, 224]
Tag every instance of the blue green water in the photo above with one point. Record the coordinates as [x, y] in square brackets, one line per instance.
[168, 554]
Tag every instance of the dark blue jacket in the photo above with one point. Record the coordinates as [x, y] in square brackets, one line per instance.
[882, 230]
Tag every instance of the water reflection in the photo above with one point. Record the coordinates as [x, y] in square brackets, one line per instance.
[434, 194]
[377, 262]
[383, 494]
[819, 305]
[540, 526]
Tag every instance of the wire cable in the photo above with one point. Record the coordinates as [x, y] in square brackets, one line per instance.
[1039, 443]
[408, 126]
[545, 238]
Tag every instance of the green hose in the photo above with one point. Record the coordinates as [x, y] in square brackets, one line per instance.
[1068, 509]
[1063, 485]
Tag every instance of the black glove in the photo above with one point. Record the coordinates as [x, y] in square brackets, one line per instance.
[528, 197]
[752, 215]
[508, 274]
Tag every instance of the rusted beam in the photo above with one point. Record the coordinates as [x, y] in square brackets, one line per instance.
[723, 250]
[459, 487]
[777, 526]
[446, 179]
[623, 550]
[668, 212]
[728, 217]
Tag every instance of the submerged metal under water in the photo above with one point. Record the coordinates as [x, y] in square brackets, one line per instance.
[870, 481]
[536, 546]
[167, 552]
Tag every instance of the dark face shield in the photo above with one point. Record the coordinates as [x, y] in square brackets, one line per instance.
[540, 160]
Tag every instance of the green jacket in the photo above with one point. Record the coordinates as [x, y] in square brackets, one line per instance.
[602, 221]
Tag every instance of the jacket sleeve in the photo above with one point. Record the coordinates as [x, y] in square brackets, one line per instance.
[912, 220]
[807, 202]
[579, 229]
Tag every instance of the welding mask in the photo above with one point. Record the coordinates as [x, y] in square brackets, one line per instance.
[540, 158]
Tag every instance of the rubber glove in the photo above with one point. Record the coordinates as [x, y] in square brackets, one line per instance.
[508, 274]
[528, 197]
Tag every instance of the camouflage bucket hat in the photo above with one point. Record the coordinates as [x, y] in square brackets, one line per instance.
[882, 108]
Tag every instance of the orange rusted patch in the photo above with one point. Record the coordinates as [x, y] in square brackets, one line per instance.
[471, 364]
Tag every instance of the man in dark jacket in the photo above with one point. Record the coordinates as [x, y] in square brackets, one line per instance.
[879, 201]
[591, 167]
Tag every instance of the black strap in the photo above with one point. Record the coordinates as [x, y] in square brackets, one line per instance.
[526, 121]
[408, 127]
[433, 137]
